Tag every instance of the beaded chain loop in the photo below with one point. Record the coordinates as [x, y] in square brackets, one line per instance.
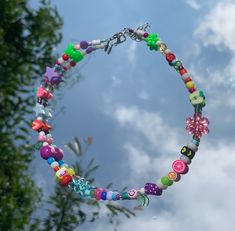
[65, 175]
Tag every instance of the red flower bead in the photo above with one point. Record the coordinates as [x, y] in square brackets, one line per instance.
[170, 57]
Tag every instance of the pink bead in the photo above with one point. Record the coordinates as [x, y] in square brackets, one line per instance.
[179, 167]
[76, 47]
[98, 193]
[133, 193]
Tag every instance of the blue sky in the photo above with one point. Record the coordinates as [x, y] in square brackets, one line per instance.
[134, 105]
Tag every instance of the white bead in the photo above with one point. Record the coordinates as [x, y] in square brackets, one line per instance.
[167, 51]
[95, 42]
[45, 144]
[101, 46]
[65, 165]
[60, 60]
[109, 195]
[185, 159]
[139, 32]
[192, 146]
[42, 133]
[159, 42]
[160, 185]
[54, 164]
[142, 191]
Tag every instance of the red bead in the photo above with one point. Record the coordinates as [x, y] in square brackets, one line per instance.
[72, 64]
[65, 68]
[170, 57]
[65, 180]
[56, 168]
[57, 62]
[65, 57]
[187, 80]
[183, 71]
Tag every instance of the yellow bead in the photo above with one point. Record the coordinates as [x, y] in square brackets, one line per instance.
[71, 172]
[190, 84]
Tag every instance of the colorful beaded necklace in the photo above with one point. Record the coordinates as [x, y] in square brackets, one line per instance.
[65, 175]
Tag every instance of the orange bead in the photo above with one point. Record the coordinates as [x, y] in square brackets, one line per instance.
[56, 168]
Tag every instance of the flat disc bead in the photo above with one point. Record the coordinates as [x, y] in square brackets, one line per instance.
[109, 195]
[185, 159]
[180, 167]
[173, 176]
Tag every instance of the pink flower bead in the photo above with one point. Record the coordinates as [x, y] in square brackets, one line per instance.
[180, 167]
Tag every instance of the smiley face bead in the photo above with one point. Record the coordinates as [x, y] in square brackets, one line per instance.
[180, 167]
[133, 193]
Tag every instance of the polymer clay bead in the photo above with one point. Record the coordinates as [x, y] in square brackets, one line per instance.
[186, 151]
[173, 176]
[180, 167]
[152, 189]
[133, 193]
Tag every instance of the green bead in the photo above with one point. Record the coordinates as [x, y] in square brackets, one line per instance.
[125, 196]
[152, 40]
[142, 200]
[73, 54]
[166, 181]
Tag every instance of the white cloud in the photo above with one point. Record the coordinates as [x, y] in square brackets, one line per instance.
[218, 29]
[150, 125]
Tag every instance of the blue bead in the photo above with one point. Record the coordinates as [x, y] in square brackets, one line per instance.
[114, 196]
[103, 195]
[60, 162]
[50, 160]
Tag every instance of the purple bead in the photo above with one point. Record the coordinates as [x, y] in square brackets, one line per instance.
[89, 50]
[152, 189]
[84, 44]
[58, 154]
[46, 152]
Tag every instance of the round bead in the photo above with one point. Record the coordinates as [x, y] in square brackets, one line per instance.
[162, 47]
[173, 176]
[192, 146]
[56, 168]
[65, 57]
[61, 162]
[114, 196]
[188, 79]
[46, 152]
[76, 47]
[185, 76]
[180, 167]
[170, 57]
[84, 44]
[142, 190]
[191, 90]
[71, 171]
[166, 181]
[72, 63]
[54, 164]
[145, 34]
[50, 160]
[190, 84]
[98, 193]
[104, 195]
[58, 154]
[160, 185]
[133, 193]
[186, 159]
[183, 71]
[109, 195]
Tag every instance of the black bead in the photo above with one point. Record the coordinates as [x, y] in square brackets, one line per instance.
[187, 152]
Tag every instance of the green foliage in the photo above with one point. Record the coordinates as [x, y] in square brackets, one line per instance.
[68, 210]
[27, 38]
